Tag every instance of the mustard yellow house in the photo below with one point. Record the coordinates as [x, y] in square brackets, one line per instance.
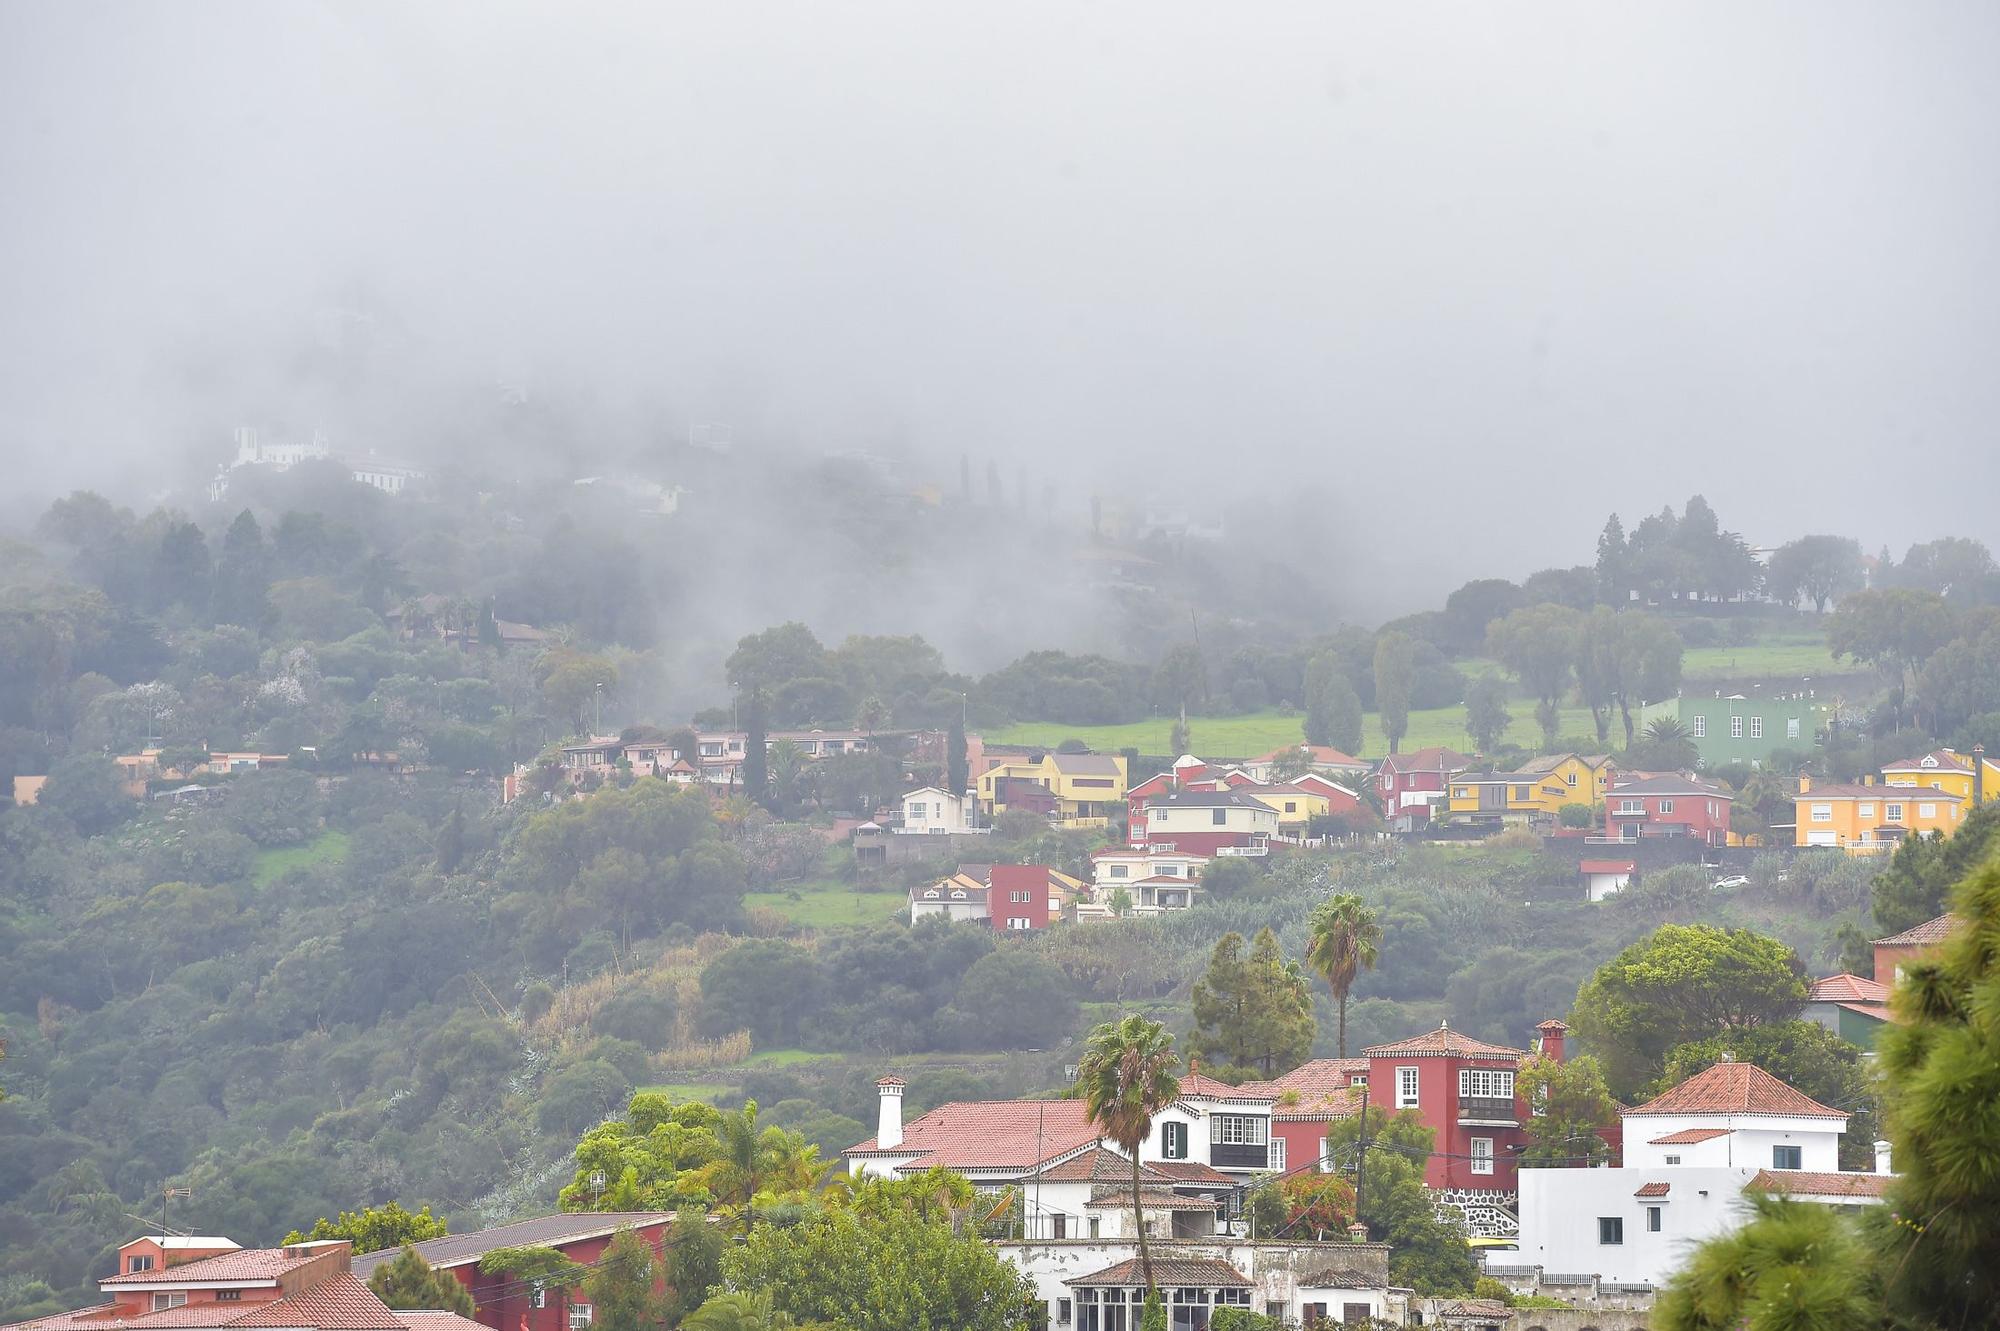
[1871, 819]
[1534, 790]
[1973, 777]
[1069, 789]
[1295, 807]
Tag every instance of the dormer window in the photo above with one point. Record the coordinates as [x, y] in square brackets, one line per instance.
[139, 1263]
[174, 1299]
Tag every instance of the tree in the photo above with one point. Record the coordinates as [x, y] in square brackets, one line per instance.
[1316, 1205]
[1819, 568]
[775, 657]
[622, 1286]
[877, 1268]
[1180, 682]
[1251, 1013]
[1668, 746]
[574, 684]
[739, 1312]
[1486, 714]
[89, 792]
[407, 1281]
[374, 1228]
[1614, 564]
[1923, 871]
[1895, 630]
[1012, 999]
[1178, 738]
[694, 1263]
[1570, 1103]
[1127, 1076]
[1794, 1265]
[756, 780]
[1333, 710]
[1475, 605]
[1427, 1252]
[1538, 645]
[451, 840]
[1683, 983]
[1344, 938]
[957, 771]
[1395, 678]
[243, 575]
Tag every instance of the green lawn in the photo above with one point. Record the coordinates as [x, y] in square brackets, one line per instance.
[693, 1090]
[1778, 660]
[830, 905]
[327, 848]
[1255, 733]
[783, 1058]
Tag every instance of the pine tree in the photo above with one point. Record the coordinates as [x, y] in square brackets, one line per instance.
[451, 840]
[957, 768]
[756, 770]
[409, 1282]
[623, 1290]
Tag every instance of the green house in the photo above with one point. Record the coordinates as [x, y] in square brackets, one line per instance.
[1739, 729]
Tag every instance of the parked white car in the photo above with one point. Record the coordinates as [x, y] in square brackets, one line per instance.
[1730, 883]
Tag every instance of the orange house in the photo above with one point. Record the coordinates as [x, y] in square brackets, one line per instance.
[1866, 820]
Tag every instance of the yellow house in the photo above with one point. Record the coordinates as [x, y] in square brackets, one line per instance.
[1535, 789]
[1973, 777]
[1070, 789]
[1296, 808]
[1869, 819]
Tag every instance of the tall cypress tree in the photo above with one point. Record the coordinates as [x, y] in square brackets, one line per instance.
[957, 769]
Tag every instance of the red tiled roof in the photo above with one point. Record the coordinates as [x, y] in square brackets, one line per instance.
[1190, 1171]
[432, 1319]
[1436, 758]
[1320, 1107]
[1847, 988]
[1735, 1088]
[992, 1134]
[341, 1302]
[1606, 866]
[1321, 1075]
[244, 1264]
[1653, 1189]
[1896, 794]
[1196, 1086]
[1188, 1272]
[1937, 760]
[1099, 1163]
[1151, 1199]
[1443, 1040]
[1818, 1184]
[1930, 931]
[1689, 1136]
[1554, 1024]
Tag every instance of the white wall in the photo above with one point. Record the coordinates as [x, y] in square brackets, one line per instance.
[1560, 1209]
[941, 812]
[951, 910]
[1818, 1140]
[1270, 1267]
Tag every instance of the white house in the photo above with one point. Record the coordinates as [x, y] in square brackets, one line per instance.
[1601, 878]
[1691, 1155]
[935, 810]
[1098, 1286]
[956, 898]
[1155, 878]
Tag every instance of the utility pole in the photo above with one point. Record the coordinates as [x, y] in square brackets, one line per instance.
[1361, 1155]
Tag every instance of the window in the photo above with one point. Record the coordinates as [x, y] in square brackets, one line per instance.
[1173, 1141]
[1571, 778]
[1238, 1129]
[1822, 813]
[1485, 1084]
[1666, 806]
[538, 1295]
[229, 1296]
[1673, 1159]
[1756, 727]
[1063, 1311]
[1357, 1079]
[579, 1316]
[1119, 871]
[1525, 793]
[1462, 793]
[1482, 1155]
[1278, 1154]
[1406, 1088]
[162, 1302]
[1095, 1223]
[1792, 728]
[1291, 806]
[1170, 871]
[1927, 811]
[1059, 1226]
[1019, 922]
[1218, 816]
[1785, 1157]
[138, 1263]
[1018, 896]
[1631, 806]
[1700, 728]
[1868, 808]
[916, 810]
[1611, 1229]
[1893, 812]
[1736, 727]
[1652, 1220]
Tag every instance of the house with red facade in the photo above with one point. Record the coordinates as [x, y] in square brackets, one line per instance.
[505, 1303]
[205, 1284]
[1409, 784]
[1309, 1100]
[1668, 806]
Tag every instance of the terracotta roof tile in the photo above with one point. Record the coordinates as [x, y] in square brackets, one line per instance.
[1689, 1136]
[1443, 1040]
[1187, 1172]
[1818, 1184]
[1320, 1076]
[993, 1134]
[245, 1264]
[538, 1231]
[1937, 760]
[1735, 1088]
[1930, 931]
[340, 1303]
[1653, 1189]
[1099, 1163]
[1322, 1107]
[1191, 1272]
[1110, 1198]
[1847, 988]
[1197, 1086]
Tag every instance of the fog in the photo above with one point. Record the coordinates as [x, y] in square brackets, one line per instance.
[1417, 293]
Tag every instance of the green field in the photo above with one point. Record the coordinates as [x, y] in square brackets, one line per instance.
[783, 1058]
[327, 848]
[1256, 733]
[829, 905]
[709, 1091]
[1778, 660]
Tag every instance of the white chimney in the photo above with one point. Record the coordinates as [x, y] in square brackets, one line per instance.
[889, 1123]
[1882, 1158]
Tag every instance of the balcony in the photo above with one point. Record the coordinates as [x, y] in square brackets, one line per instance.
[1255, 848]
[1230, 1156]
[1488, 1112]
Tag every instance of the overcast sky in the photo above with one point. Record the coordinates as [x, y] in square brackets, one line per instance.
[1482, 271]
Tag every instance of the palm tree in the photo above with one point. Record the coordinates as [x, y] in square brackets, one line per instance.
[1344, 939]
[1129, 1074]
[758, 1162]
[738, 1312]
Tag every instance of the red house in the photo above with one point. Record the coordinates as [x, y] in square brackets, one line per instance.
[1408, 783]
[508, 1304]
[1464, 1090]
[1187, 773]
[1018, 896]
[1668, 805]
[1310, 1099]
